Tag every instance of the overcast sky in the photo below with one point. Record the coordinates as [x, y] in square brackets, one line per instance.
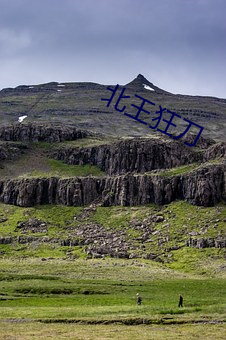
[179, 45]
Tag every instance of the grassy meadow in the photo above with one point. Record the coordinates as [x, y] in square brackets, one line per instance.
[52, 291]
[96, 299]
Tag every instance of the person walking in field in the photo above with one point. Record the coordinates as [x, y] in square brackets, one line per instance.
[180, 301]
[139, 299]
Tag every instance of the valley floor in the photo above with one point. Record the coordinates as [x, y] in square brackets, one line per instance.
[31, 330]
[96, 299]
[52, 289]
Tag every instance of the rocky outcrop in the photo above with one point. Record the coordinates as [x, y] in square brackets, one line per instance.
[6, 240]
[126, 162]
[98, 241]
[33, 225]
[202, 142]
[38, 240]
[204, 186]
[201, 243]
[134, 155]
[35, 133]
[216, 150]
[11, 151]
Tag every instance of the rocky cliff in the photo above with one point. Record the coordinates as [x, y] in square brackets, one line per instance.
[134, 169]
[131, 155]
[216, 150]
[37, 132]
[204, 186]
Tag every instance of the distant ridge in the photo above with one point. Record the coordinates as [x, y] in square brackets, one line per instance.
[140, 83]
[79, 104]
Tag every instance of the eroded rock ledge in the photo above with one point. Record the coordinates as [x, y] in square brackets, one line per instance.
[37, 132]
[204, 186]
[134, 155]
[126, 163]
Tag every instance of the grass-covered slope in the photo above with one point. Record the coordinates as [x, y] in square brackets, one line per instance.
[75, 232]
[36, 162]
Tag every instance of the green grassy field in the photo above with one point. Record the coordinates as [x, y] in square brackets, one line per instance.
[110, 332]
[96, 299]
[60, 169]
[52, 291]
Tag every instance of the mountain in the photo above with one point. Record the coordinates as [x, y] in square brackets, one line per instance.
[90, 198]
[79, 104]
[140, 83]
[72, 155]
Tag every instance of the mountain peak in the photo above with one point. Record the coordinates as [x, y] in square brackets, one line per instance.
[140, 83]
[141, 77]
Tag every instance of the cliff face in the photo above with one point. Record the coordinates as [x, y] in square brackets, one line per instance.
[125, 163]
[35, 133]
[216, 150]
[202, 187]
[131, 156]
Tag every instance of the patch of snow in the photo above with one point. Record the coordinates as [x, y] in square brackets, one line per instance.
[61, 85]
[31, 87]
[59, 90]
[148, 87]
[21, 118]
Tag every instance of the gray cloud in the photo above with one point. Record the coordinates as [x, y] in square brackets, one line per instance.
[177, 44]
